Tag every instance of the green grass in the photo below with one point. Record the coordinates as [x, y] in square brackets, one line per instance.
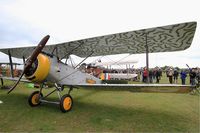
[101, 111]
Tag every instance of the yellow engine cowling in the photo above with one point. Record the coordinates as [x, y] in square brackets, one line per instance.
[39, 70]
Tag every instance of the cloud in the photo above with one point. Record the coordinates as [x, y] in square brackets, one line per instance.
[15, 32]
[25, 22]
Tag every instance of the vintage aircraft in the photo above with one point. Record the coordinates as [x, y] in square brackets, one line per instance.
[119, 74]
[45, 65]
[5, 70]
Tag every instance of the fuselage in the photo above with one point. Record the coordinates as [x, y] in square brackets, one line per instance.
[50, 69]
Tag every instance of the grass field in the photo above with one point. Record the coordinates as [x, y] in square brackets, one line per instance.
[102, 111]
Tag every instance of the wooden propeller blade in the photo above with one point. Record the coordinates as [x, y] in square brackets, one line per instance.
[36, 52]
[32, 58]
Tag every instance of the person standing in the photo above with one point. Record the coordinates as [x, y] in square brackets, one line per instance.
[138, 74]
[158, 75]
[175, 75]
[154, 74]
[183, 76]
[145, 75]
[170, 75]
[198, 75]
[150, 76]
[192, 76]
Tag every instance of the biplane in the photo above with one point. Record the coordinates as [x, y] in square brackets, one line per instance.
[5, 70]
[44, 64]
[120, 73]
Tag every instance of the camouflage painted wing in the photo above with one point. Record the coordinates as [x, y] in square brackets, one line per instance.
[169, 38]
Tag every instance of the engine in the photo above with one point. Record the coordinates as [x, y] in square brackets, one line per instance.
[39, 69]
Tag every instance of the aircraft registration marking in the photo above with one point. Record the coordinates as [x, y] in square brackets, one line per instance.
[90, 81]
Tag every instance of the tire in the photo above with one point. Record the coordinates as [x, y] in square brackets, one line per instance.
[33, 99]
[66, 103]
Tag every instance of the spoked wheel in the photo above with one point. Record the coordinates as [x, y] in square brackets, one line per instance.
[34, 99]
[66, 103]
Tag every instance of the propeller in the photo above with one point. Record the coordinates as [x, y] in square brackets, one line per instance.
[32, 58]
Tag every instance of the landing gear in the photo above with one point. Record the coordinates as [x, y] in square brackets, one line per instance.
[65, 102]
[34, 99]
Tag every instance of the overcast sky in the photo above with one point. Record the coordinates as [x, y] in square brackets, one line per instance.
[25, 22]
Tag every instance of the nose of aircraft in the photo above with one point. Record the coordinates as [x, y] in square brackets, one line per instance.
[32, 58]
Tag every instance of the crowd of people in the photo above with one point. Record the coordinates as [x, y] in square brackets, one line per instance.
[172, 74]
[192, 73]
[153, 76]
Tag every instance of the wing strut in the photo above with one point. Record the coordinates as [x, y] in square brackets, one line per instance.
[147, 57]
[76, 67]
[84, 59]
[2, 82]
[24, 60]
[11, 64]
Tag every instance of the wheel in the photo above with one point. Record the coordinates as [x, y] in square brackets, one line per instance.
[33, 99]
[66, 103]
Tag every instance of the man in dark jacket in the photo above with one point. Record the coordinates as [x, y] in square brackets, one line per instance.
[192, 76]
[158, 75]
[183, 76]
[150, 76]
[175, 75]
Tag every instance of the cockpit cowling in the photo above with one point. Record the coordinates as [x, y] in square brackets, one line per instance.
[39, 70]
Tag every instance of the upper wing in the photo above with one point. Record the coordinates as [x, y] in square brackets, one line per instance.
[159, 39]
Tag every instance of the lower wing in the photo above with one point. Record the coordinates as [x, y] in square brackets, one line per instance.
[171, 88]
[15, 79]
